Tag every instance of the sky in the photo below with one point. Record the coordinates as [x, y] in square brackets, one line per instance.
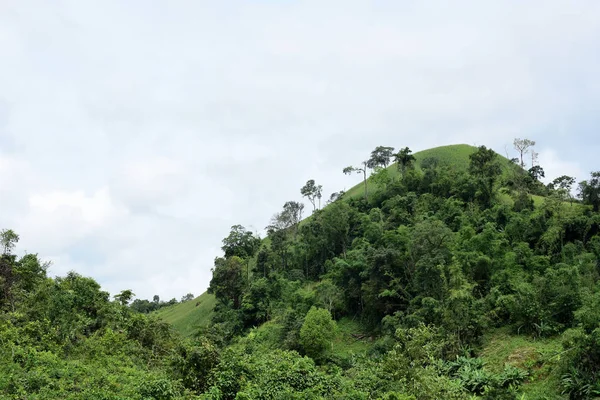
[134, 134]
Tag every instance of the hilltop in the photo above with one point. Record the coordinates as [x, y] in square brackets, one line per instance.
[455, 156]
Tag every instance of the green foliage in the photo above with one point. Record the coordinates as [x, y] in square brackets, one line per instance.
[227, 283]
[8, 241]
[380, 157]
[485, 168]
[193, 362]
[124, 297]
[589, 191]
[317, 332]
[312, 192]
[240, 243]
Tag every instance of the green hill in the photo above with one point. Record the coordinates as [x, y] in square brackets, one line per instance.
[188, 316]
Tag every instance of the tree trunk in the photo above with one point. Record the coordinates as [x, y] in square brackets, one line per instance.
[365, 181]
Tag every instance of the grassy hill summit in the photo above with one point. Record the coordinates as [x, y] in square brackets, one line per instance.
[455, 156]
[451, 273]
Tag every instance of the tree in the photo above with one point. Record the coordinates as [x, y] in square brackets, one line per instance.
[156, 299]
[187, 297]
[536, 173]
[193, 364]
[404, 159]
[124, 297]
[534, 157]
[430, 253]
[380, 177]
[523, 146]
[330, 295]
[240, 242]
[312, 192]
[335, 196]
[563, 185]
[359, 170]
[380, 157]
[589, 191]
[8, 240]
[483, 165]
[227, 283]
[317, 332]
[30, 271]
[290, 217]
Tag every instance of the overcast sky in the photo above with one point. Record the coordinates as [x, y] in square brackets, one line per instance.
[133, 134]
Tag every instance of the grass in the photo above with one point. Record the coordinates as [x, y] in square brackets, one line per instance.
[345, 344]
[187, 317]
[537, 356]
[456, 155]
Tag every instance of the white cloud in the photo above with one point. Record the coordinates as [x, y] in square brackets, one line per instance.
[94, 210]
[554, 166]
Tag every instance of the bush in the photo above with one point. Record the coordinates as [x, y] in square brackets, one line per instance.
[317, 332]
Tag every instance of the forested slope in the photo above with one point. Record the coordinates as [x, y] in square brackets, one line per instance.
[428, 285]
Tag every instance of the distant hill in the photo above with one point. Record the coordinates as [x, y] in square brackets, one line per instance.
[188, 316]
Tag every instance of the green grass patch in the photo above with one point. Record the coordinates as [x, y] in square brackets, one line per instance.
[351, 339]
[187, 317]
[536, 356]
[456, 155]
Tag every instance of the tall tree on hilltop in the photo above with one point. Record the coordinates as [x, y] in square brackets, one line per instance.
[522, 146]
[290, 217]
[8, 241]
[380, 157]
[312, 192]
[240, 242]
[359, 170]
[589, 191]
[404, 159]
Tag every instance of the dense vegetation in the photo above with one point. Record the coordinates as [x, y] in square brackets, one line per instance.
[419, 283]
